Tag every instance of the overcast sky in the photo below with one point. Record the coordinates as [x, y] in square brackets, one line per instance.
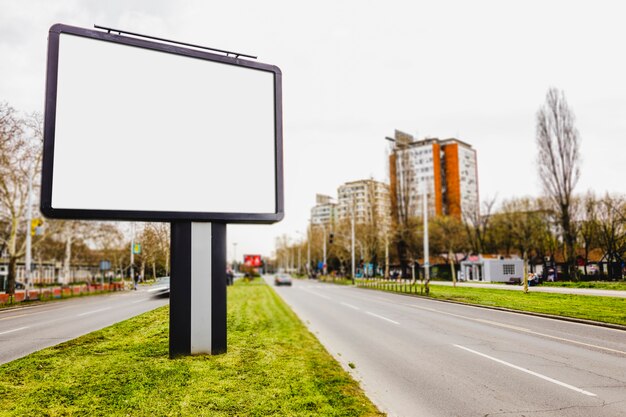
[353, 71]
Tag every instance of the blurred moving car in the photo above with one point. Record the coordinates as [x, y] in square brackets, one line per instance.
[161, 288]
[282, 279]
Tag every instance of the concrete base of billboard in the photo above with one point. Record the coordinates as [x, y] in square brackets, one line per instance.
[198, 288]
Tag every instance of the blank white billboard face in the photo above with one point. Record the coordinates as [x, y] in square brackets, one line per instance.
[149, 131]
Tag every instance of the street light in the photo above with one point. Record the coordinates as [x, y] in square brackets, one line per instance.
[235, 256]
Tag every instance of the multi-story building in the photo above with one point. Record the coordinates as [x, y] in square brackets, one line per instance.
[368, 200]
[447, 168]
[325, 210]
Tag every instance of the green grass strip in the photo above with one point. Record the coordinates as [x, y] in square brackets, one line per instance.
[602, 309]
[274, 367]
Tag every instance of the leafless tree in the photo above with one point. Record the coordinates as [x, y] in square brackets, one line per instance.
[611, 216]
[20, 158]
[589, 228]
[477, 226]
[558, 144]
[403, 200]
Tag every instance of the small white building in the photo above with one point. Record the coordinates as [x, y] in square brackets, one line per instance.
[479, 269]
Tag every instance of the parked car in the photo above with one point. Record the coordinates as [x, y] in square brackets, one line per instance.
[282, 279]
[161, 288]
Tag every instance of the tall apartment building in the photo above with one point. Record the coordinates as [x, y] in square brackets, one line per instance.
[369, 199]
[447, 168]
[325, 210]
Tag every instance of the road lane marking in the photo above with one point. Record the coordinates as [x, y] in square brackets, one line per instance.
[349, 305]
[139, 301]
[520, 329]
[14, 330]
[383, 318]
[14, 317]
[528, 371]
[93, 312]
[314, 293]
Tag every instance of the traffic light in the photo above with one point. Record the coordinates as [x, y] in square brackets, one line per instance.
[330, 239]
[36, 227]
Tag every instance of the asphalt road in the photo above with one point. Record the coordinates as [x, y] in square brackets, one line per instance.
[417, 357]
[24, 330]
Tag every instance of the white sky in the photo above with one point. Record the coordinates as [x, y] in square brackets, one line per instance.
[353, 71]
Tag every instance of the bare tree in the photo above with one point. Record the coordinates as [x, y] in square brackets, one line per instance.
[589, 228]
[402, 182]
[558, 144]
[20, 157]
[477, 226]
[447, 236]
[611, 217]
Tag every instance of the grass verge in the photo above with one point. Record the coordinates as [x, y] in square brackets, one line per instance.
[600, 285]
[602, 309]
[274, 367]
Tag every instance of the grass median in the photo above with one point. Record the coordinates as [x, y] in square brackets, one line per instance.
[603, 309]
[274, 367]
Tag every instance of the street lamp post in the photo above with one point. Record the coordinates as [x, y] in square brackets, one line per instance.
[324, 246]
[352, 241]
[426, 251]
[235, 256]
[29, 222]
[308, 249]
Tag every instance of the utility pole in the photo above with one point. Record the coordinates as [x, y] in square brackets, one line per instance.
[29, 225]
[299, 258]
[308, 249]
[386, 255]
[132, 254]
[352, 242]
[324, 266]
[235, 256]
[426, 254]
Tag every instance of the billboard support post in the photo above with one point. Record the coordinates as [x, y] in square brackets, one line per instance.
[198, 294]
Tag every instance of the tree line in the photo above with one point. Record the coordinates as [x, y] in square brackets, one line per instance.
[64, 242]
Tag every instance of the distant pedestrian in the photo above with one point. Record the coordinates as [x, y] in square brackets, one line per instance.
[230, 277]
[136, 280]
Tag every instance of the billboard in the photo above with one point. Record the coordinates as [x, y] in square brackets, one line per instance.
[143, 130]
[252, 260]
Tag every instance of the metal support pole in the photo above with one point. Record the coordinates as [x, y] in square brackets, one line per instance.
[29, 225]
[352, 244]
[198, 289]
[308, 250]
[426, 251]
[132, 254]
[324, 266]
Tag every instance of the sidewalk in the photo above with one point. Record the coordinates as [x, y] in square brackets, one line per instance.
[556, 290]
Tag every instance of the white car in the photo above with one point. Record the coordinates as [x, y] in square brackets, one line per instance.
[282, 279]
[161, 288]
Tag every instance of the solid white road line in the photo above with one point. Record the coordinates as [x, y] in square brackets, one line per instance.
[383, 318]
[349, 305]
[538, 375]
[14, 330]
[519, 329]
[93, 312]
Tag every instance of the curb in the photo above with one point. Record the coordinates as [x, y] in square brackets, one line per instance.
[510, 310]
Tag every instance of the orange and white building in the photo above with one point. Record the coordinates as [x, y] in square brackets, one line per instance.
[447, 168]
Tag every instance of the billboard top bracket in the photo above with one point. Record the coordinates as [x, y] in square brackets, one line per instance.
[227, 53]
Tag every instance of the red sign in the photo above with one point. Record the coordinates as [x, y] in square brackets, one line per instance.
[252, 260]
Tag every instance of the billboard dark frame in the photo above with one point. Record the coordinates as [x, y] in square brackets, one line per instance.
[147, 215]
